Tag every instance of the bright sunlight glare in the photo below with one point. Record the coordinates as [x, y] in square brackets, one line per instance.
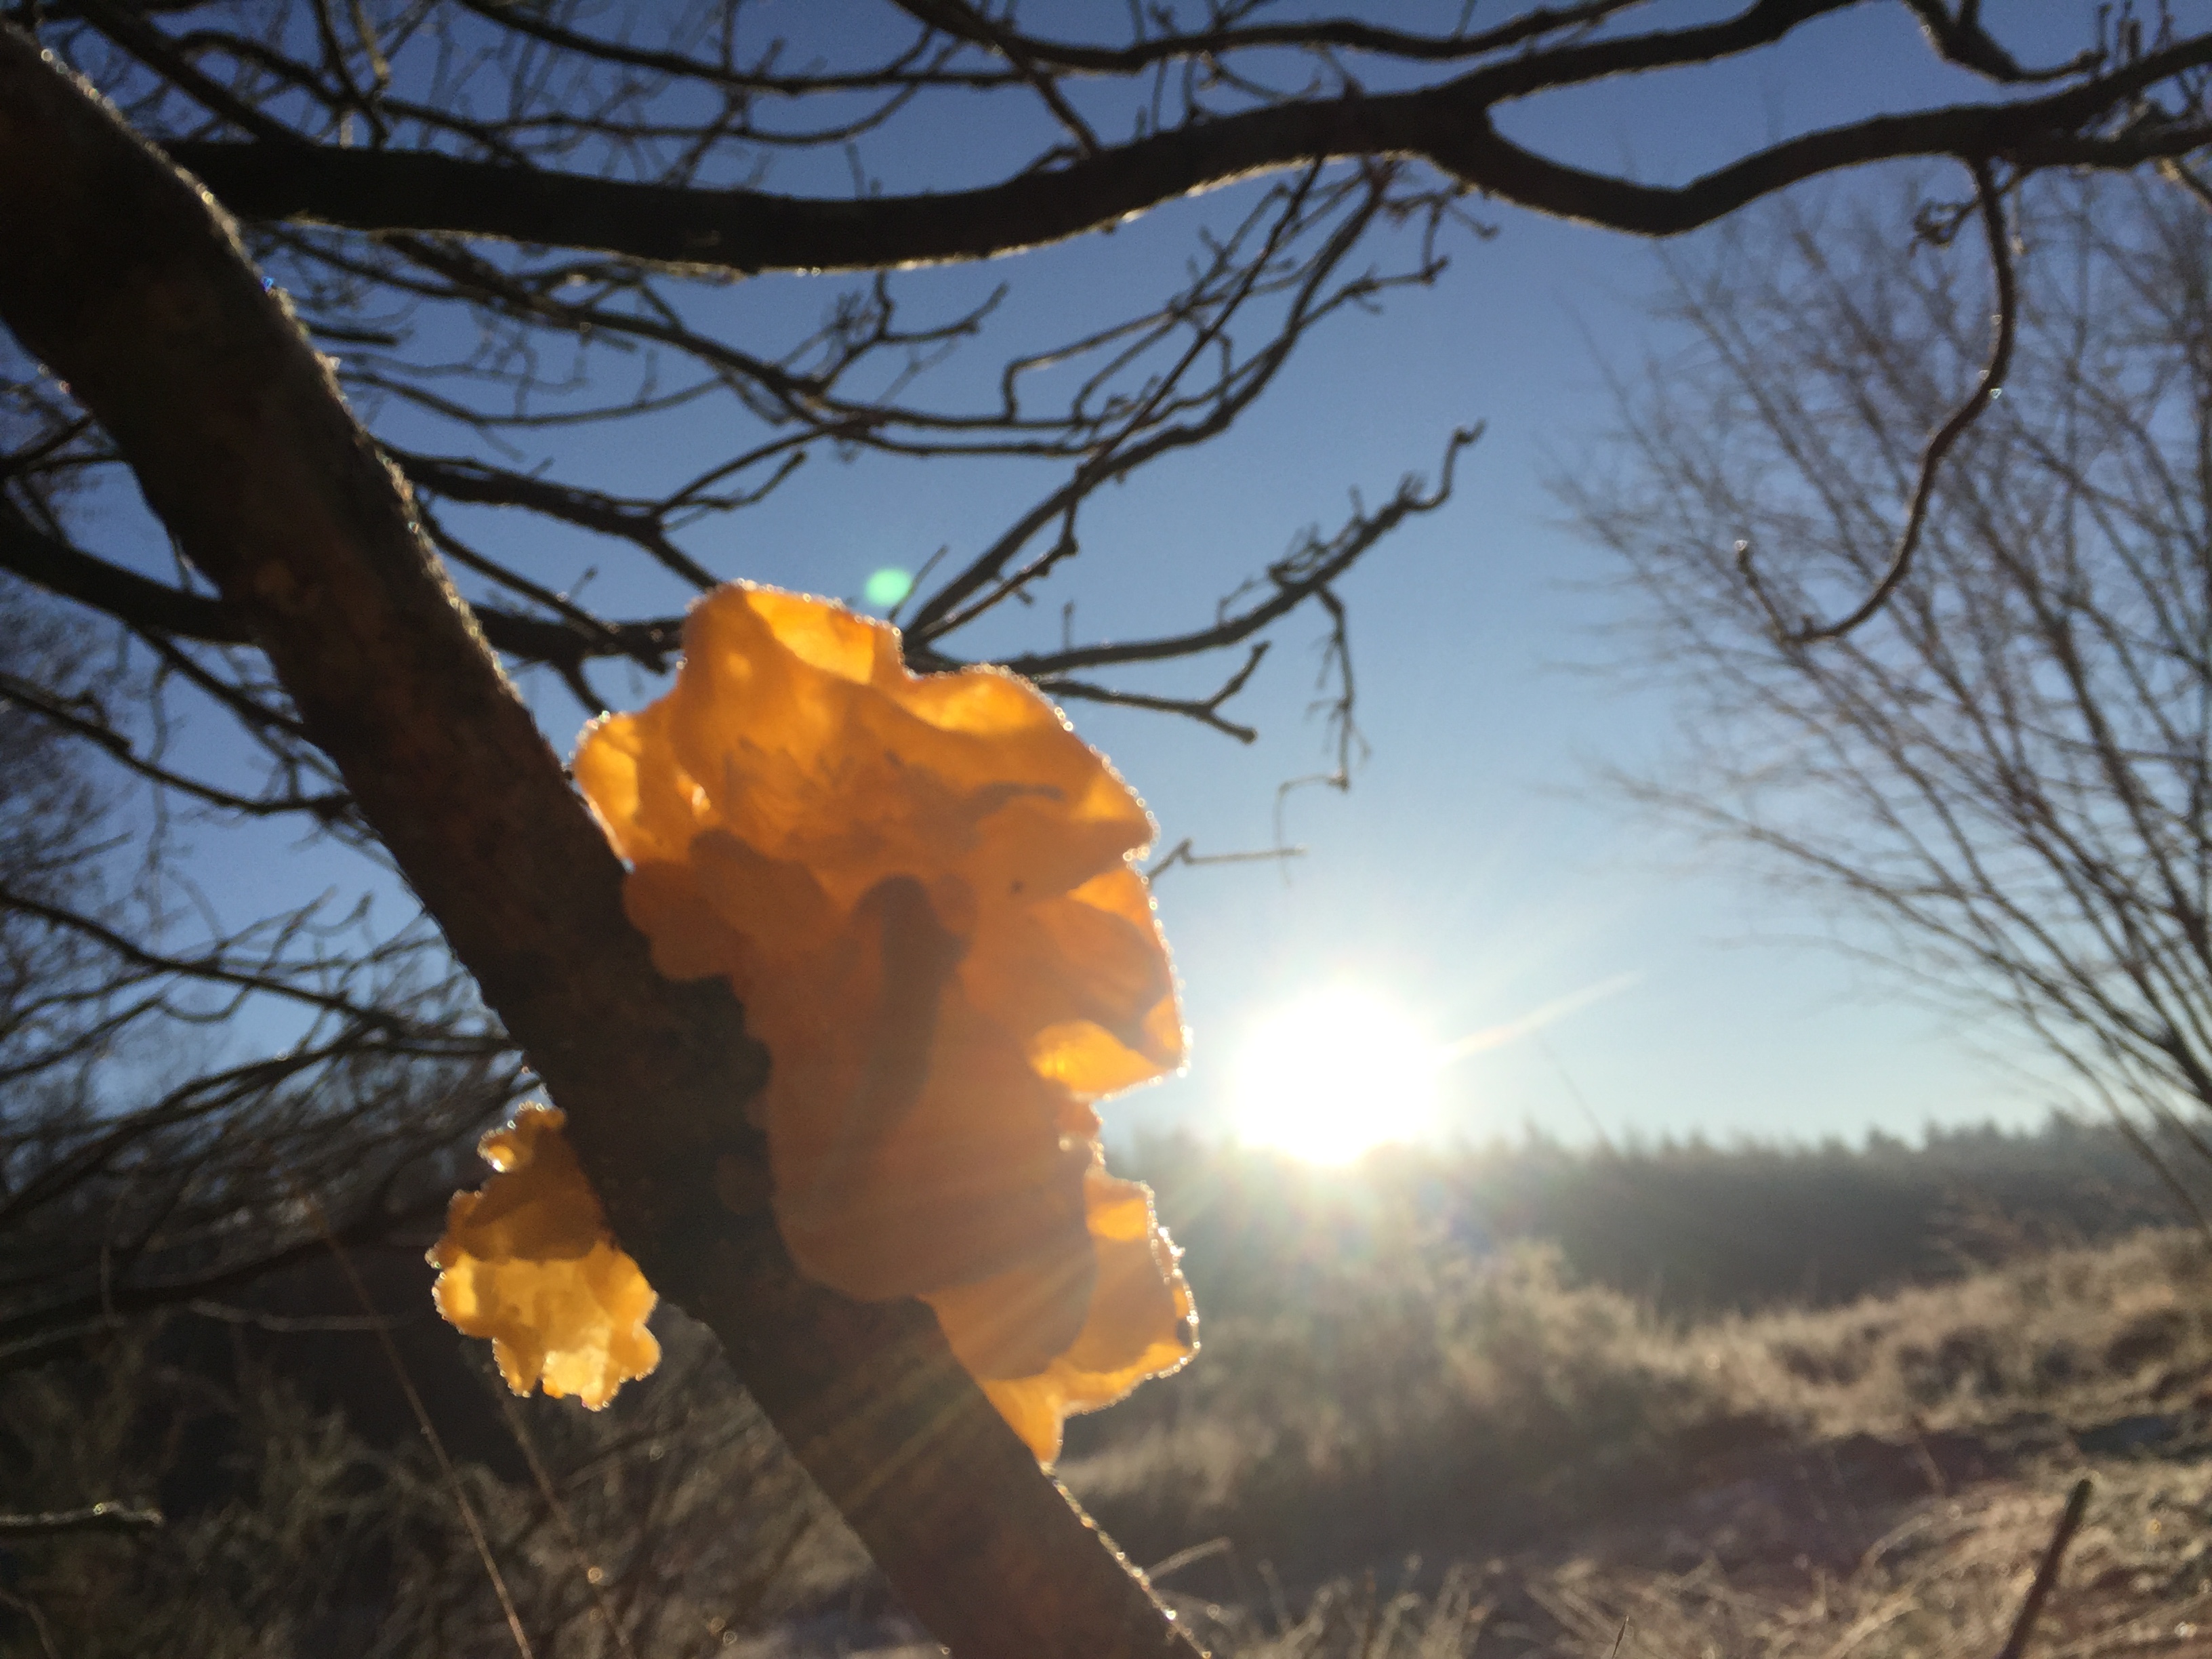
[1334, 1074]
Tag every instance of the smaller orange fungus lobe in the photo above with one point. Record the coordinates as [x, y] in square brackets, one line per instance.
[528, 1261]
[923, 890]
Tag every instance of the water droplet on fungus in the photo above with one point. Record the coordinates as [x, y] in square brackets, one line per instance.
[528, 1261]
[921, 889]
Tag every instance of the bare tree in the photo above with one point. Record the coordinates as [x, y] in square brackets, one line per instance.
[2011, 769]
[518, 226]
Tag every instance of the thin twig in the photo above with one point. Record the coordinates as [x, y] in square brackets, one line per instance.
[2175, 172]
[974, 23]
[1196, 1553]
[1991, 201]
[452, 1476]
[1204, 710]
[2046, 1574]
[594, 1578]
[287, 1325]
[1182, 853]
[110, 1516]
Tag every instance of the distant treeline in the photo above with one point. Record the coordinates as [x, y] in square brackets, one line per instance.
[1695, 1228]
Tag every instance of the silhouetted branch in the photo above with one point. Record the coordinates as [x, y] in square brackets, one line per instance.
[154, 607]
[752, 230]
[1986, 391]
[1204, 710]
[1304, 575]
[88, 725]
[321, 555]
[270, 976]
[1184, 854]
[2009, 779]
[957, 17]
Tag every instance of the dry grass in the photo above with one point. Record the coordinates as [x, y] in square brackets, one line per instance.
[675, 1513]
[1868, 1481]
[1456, 1406]
[2080, 1333]
[1946, 1584]
[1932, 1437]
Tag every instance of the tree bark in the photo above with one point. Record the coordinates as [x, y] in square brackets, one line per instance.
[119, 272]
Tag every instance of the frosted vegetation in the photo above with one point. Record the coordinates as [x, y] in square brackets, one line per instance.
[1502, 1395]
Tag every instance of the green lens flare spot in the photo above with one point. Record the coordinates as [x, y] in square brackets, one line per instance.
[888, 586]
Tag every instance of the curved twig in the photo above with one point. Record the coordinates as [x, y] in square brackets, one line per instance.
[1991, 203]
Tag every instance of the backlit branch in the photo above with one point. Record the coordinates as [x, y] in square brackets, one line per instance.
[320, 553]
[154, 607]
[1304, 574]
[1449, 126]
[2006, 326]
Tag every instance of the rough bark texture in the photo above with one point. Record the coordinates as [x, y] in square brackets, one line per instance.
[120, 273]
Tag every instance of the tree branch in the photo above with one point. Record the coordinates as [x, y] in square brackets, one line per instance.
[1990, 202]
[1447, 124]
[1304, 574]
[154, 607]
[141, 297]
[1204, 710]
[54, 565]
[110, 1516]
[957, 18]
[2046, 1571]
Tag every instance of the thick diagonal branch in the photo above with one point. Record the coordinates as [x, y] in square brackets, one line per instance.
[116, 271]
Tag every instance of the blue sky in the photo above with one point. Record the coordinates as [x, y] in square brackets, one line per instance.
[1476, 872]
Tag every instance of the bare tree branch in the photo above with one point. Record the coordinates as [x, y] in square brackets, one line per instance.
[141, 297]
[2006, 325]
[110, 1516]
[2009, 779]
[1449, 125]
[154, 607]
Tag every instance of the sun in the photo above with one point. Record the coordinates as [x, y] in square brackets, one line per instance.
[1335, 1073]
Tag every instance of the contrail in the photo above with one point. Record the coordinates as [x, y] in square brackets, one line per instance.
[1497, 1036]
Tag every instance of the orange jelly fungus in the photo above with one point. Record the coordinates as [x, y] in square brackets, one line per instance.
[921, 889]
[529, 1262]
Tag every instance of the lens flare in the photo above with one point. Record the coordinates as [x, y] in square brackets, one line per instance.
[887, 588]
